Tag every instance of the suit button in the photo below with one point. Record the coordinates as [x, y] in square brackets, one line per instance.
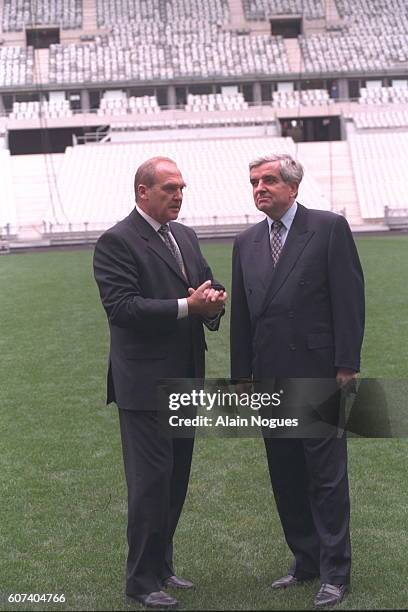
[291, 314]
[301, 282]
[292, 347]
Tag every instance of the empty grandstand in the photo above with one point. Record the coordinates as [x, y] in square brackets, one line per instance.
[102, 191]
[106, 82]
[260, 10]
[8, 212]
[18, 14]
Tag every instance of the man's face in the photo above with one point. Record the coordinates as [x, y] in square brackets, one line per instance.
[271, 194]
[163, 200]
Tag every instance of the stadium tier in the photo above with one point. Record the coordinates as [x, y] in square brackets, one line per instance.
[294, 99]
[16, 66]
[260, 10]
[209, 102]
[8, 213]
[343, 52]
[165, 11]
[129, 54]
[380, 163]
[384, 95]
[18, 14]
[377, 16]
[216, 172]
[121, 105]
[45, 109]
[384, 119]
[203, 81]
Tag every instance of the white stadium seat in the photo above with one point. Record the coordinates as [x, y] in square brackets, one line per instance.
[216, 172]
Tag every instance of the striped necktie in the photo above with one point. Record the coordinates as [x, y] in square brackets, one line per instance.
[171, 244]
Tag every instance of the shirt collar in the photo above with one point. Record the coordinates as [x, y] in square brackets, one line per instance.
[287, 218]
[155, 224]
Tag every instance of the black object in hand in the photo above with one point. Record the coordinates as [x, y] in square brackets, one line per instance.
[217, 286]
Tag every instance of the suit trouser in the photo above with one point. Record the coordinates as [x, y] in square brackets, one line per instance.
[157, 471]
[310, 485]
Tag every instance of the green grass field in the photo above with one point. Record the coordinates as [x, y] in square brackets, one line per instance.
[63, 497]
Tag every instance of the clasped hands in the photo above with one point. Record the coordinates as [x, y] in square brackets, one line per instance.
[206, 301]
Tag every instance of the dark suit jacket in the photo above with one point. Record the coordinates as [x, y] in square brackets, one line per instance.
[139, 282]
[306, 317]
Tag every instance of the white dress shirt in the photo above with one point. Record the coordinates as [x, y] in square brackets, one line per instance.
[286, 220]
[182, 302]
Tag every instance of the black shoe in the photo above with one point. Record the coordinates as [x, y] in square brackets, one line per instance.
[178, 583]
[158, 599]
[285, 582]
[289, 580]
[330, 595]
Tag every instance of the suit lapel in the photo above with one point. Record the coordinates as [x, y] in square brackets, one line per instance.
[296, 240]
[261, 257]
[187, 251]
[155, 243]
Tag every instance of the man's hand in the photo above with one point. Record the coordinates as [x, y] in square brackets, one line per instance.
[346, 378]
[206, 301]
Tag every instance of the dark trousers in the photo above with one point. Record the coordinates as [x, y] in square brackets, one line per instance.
[310, 485]
[157, 471]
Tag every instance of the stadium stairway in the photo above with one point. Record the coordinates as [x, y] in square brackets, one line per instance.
[41, 59]
[332, 15]
[330, 164]
[294, 55]
[89, 16]
[237, 17]
[33, 178]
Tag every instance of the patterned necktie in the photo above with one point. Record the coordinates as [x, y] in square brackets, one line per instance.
[276, 241]
[164, 231]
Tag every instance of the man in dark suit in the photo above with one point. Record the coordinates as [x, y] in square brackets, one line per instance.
[297, 311]
[156, 288]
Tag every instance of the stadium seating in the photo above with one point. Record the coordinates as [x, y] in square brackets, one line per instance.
[45, 109]
[260, 10]
[16, 66]
[307, 97]
[8, 214]
[378, 17]
[383, 95]
[210, 102]
[131, 53]
[18, 14]
[380, 120]
[142, 105]
[380, 162]
[165, 11]
[216, 171]
[342, 52]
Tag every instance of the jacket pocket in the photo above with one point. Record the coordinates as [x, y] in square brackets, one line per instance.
[319, 341]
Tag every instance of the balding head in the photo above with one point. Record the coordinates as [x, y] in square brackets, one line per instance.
[146, 172]
[159, 188]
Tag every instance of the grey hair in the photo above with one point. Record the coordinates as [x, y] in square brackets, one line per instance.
[291, 170]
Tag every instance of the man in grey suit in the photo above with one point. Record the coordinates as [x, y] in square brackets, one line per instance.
[157, 291]
[297, 311]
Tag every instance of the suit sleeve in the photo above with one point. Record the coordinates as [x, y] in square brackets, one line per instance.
[241, 341]
[213, 323]
[346, 286]
[117, 277]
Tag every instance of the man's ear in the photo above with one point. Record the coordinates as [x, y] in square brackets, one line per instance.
[142, 192]
[294, 190]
